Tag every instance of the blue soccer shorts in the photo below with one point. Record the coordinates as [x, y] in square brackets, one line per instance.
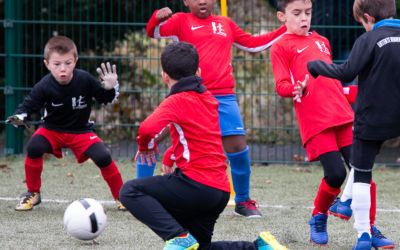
[230, 121]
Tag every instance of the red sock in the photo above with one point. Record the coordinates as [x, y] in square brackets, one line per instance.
[33, 172]
[372, 211]
[113, 178]
[325, 196]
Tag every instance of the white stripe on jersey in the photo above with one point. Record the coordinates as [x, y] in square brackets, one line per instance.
[182, 139]
[260, 48]
[158, 35]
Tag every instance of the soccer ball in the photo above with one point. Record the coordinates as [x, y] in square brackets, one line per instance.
[85, 219]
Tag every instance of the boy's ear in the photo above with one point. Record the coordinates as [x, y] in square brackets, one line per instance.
[370, 19]
[165, 77]
[281, 16]
[198, 72]
[46, 63]
[185, 3]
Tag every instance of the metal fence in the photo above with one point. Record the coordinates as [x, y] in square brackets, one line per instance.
[114, 31]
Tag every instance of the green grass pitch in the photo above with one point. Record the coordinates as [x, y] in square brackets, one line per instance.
[285, 195]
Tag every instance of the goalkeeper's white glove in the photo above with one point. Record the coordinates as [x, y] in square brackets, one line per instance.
[18, 120]
[108, 75]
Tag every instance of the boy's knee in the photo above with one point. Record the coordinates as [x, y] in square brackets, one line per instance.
[37, 146]
[336, 179]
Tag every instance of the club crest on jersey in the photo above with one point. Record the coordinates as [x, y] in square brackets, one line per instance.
[218, 29]
[322, 47]
[78, 103]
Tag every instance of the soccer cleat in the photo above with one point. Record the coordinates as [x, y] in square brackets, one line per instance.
[379, 240]
[247, 209]
[27, 201]
[318, 229]
[341, 209]
[266, 241]
[363, 243]
[120, 207]
[187, 242]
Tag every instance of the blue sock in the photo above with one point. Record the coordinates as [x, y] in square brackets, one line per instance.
[144, 170]
[240, 169]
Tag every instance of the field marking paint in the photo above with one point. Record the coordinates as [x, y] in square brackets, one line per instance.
[113, 202]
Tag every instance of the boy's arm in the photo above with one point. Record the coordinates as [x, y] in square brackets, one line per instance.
[154, 124]
[280, 66]
[346, 72]
[255, 43]
[32, 103]
[162, 24]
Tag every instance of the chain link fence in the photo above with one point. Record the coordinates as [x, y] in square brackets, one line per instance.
[114, 31]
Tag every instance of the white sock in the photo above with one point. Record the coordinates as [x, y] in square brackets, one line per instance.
[361, 204]
[348, 189]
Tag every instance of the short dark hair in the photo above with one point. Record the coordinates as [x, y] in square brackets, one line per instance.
[61, 45]
[281, 4]
[180, 59]
[379, 9]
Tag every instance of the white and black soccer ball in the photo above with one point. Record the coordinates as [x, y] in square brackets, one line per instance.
[85, 219]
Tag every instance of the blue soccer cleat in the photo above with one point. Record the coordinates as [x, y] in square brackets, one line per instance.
[341, 209]
[187, 242]
[266, 241]
[379, 240]
[318, 229]
[363, 243]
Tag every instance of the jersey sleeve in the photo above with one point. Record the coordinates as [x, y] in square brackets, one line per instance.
[155, 123]
[281, 71]
[346, 72]
[33, 102]
[254, 43]
[167, 29]
[169, 158]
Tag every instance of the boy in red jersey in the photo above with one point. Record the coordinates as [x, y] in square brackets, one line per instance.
[324, 115]
[374, 58]
[183, 207]
[66, 94]
[213, 36]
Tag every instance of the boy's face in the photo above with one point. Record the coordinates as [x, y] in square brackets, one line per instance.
[61, 66]
[200, 8]
[297, 17]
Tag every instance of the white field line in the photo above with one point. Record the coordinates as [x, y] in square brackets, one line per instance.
[261, 205]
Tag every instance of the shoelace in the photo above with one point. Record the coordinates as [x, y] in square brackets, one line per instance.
[320, 225]
[377, 234]
[28, 197]
[182, 241]
[251, 204]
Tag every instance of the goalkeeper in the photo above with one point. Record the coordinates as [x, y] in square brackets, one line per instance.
[66, 94]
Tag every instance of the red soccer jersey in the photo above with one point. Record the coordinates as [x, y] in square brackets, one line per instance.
[213, 37]
[323, 104]
[195, 134]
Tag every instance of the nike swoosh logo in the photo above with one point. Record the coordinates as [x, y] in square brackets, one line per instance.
[196, 27]
[56, 104]
[92, 137]
[301, 50]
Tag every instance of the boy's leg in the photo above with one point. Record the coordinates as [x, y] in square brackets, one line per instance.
[143, 169]
[363, 158]
[172, 205]
[36, 147]
[101, 156]
[237, 151]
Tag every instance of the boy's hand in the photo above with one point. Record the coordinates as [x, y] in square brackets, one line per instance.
[18, 120]
[163, 14]
[167, 169]
[147, 156]
[108, 75]
[299, 88]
